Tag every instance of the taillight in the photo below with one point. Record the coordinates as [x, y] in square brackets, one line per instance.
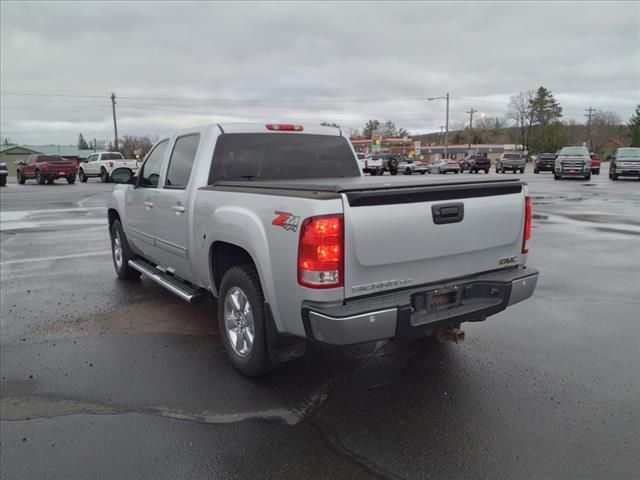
[527, 224]
[320, 252]
[284, 127]
[110, 164]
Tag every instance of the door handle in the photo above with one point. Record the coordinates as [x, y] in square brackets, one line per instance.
[148, 204]
[178, 208]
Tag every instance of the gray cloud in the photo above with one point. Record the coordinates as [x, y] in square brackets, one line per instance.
[178, 64]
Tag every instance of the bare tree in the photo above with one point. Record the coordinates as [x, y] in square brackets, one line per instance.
[522, 114]
[604, 125]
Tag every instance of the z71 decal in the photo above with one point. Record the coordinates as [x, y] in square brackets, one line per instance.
[286, 220]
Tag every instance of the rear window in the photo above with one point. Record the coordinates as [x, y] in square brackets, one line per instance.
[112, 156]
[50, 158]
[276, 156]
[512, 156]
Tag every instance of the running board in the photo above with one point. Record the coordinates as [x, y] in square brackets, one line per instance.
[186, 292]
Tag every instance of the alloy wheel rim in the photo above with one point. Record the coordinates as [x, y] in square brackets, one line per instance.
[117, 250]
[239, 322]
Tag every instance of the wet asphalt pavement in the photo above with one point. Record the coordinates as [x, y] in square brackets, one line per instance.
[105, 379]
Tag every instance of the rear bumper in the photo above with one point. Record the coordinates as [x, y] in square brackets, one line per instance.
[545, 167]
[410, 314]
[54, 175]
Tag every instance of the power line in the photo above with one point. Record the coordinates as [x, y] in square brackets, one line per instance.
[470, 112]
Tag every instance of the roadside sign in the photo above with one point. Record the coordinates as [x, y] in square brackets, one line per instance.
[417, 147]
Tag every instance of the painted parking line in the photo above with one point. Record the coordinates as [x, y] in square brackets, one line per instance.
[54, 258]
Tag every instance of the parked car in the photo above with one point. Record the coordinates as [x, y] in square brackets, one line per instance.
[573, 162]
[512, 162]
[46, 168]
[3, 174]
[595, 163]
[544, 162]
[371, 164]
[445, 165]
[409, 166]
[390, 162]
[625, 162]
[101, 164]
[478, 163]
[293, 256]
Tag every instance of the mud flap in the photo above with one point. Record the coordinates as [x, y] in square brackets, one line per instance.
[281, 347]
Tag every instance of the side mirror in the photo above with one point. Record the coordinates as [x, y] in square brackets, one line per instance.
[122, 175]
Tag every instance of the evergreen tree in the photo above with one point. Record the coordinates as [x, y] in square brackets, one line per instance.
[634, 127]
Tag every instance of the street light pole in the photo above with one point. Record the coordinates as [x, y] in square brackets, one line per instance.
[446, 132]
[446, 124]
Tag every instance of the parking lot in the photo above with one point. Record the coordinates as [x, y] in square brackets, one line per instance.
[105, 379]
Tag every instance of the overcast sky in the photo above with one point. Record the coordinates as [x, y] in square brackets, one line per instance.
[175, 65]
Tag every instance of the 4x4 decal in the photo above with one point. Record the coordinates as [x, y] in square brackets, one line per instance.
[286, 220]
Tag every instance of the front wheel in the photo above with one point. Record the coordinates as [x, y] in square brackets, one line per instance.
[241, 320]
[121, 253]
[588, 177]
[21, 178]
[83, 177]
[422, 172]
[407, 171]
[596, 171]
[104, 176]
[3, 180]
[536, 171]
[40, 178]
[556, 177]
[614, 176]
[393, 172]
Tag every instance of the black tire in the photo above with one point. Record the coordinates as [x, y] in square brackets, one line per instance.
[614, 176]
[556, 177]
[3, 180]
[486, 171]
[71, 180]
[50, 181]
[392, 163]
[596, 171]
[39, 178]
[21, 178]
[588, 177]
[393, 172]
[536, 171]
[123, 270]
[407, 171]
[422, 172]
[456, 171]
[256, 361]
[83, 177]
[104, 176]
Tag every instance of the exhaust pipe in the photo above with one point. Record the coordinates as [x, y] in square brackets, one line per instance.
[451, 334]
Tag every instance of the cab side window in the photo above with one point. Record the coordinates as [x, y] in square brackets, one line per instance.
[152, 166]
[181, 161]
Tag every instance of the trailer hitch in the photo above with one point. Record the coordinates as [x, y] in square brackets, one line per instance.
[451, 334]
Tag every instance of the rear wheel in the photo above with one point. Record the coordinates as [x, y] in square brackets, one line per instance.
[50, 181]
[588, 176]
[241, 319]
[71, 179]
[596, 171]
[3, 180]
[121, 253]
[486, 170]
[422, 172]
[556, 177]
[535, 170]
[21, 178]
[39, 178]
[393, 172]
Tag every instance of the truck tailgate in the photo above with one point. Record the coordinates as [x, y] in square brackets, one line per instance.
[402, 237]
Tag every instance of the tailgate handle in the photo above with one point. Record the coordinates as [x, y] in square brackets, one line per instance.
[447, 213]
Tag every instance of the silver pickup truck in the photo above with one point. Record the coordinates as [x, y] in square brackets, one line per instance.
[245, 213]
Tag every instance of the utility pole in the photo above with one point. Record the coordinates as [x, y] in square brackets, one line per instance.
[588, 115]
[441, 134]
[470, 112]
[115, 123]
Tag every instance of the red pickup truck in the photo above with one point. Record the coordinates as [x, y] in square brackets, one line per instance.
[595, 164]
[46, 168]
